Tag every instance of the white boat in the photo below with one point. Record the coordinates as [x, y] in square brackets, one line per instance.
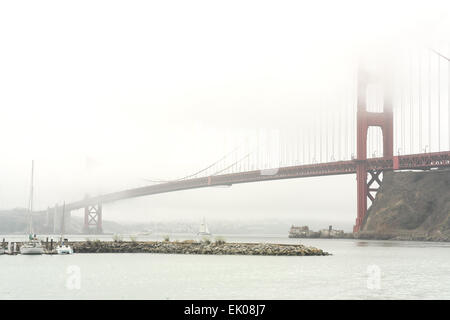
[2, 251]
[33, 246]
[203, 231]
[64, 249]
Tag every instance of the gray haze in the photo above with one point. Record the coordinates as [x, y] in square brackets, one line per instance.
[105, 94]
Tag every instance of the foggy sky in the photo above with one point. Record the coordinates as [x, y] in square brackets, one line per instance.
[141, 90]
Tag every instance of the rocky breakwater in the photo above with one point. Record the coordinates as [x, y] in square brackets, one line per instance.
[191, 247]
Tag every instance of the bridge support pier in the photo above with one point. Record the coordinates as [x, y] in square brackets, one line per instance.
[361, 200]
[366, 119]
[93, 219]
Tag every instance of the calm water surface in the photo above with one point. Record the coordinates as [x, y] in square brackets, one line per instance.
[356, 270]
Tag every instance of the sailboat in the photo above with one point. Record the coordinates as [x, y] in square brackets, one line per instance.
[203, 231]
[33, 246]
[63, 248]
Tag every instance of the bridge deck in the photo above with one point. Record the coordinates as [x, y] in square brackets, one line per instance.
[416, 161]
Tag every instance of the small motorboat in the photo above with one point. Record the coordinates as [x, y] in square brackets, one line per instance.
[64, 249]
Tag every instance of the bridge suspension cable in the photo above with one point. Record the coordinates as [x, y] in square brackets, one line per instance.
[330, 134]
[196, 173]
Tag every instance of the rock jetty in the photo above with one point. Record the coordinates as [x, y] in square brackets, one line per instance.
[192, 247]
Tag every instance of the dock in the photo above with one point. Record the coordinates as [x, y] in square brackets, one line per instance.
[13, 247]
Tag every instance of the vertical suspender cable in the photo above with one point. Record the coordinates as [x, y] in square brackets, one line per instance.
[354, 112]
[429, 101]
[282, 150]
[303, 143]
[297, 143]
[420, 101]
[380, 134]
[346, 124]
[339, 137]
[320, 133]
[247, 151]
[394, 102]
[257, 148]
[326, 136]
[286, 149]
[402, 118]
[309, 144]
[349, 123]
[439, 102]
[411, 107]
[314, 139]
[332, 136]
[377, 134]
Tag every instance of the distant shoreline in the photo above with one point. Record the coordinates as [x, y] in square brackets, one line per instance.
[391, 236]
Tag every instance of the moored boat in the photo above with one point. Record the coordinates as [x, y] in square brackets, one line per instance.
[64, 249]
[34, 245]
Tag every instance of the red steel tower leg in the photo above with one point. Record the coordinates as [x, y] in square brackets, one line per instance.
[93, 219]
[366, 119]
[86, 220]
[99, 219]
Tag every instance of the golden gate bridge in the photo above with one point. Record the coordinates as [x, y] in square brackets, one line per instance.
[399, 123]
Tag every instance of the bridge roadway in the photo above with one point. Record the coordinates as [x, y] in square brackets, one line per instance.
[423, 161]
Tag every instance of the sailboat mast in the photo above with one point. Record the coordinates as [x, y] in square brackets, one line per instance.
[62, 221]
[206, 226]
[30, 201]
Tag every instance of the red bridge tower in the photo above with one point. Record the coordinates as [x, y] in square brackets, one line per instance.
[366, 119]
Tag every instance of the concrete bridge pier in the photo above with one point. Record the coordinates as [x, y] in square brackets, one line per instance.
[93, 219]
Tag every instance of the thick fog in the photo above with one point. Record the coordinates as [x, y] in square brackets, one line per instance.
[106, 95]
